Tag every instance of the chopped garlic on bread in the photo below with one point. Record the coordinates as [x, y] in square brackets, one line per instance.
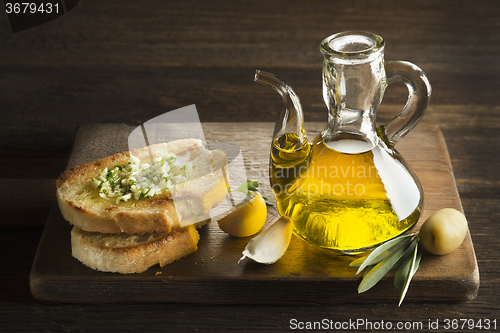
[99, 197]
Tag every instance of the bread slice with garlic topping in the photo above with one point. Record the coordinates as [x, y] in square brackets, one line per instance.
[142, 192]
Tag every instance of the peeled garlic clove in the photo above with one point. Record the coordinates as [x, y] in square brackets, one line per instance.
[270, 245]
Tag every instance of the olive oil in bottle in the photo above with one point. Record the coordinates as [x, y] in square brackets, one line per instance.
[349, 190]
[289, 160]
[344, 199]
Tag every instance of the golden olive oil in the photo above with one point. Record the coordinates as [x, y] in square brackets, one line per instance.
[341, 200]
[289, 160]
[288, 150]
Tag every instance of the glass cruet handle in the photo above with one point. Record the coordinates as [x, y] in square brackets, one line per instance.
[419, 90]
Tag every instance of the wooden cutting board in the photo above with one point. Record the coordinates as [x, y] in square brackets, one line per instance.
[304, 275]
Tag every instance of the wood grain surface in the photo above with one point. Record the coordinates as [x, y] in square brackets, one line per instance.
[305, 275]
[127, 61]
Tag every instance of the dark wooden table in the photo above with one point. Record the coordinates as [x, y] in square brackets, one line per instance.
[129, 61]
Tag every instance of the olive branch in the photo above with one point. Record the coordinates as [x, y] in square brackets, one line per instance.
[403, 253]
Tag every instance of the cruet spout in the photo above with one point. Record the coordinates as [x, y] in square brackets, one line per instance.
[290, 122]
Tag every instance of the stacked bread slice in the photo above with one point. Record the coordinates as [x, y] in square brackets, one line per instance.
[130, 231]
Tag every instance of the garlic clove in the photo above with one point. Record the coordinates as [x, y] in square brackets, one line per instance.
[270, 245]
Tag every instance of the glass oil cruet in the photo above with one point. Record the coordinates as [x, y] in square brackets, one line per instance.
[349, 189]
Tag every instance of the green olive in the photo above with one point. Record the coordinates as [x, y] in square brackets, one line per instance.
[443, 231]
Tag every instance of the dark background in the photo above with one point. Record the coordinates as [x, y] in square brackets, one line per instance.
[129, 61]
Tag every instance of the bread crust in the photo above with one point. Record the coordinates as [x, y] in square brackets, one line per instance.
[191, 200]
[126, 254]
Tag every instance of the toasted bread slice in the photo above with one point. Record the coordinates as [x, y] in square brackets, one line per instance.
[121, 253]
[187, 203]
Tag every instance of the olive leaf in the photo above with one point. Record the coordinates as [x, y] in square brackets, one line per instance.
[403, 253]
[403, 267]
[384, 266]
[381, 252]
[415, 262]
[367, 270]
[358, 262]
